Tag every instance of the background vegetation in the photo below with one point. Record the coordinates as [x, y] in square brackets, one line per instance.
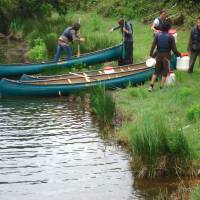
[46, 20]
[9, 9]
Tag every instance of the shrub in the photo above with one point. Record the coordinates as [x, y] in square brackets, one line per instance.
[32, 37]
[51, 42]
[38, 52]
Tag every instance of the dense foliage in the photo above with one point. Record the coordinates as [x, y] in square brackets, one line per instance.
[9, 9]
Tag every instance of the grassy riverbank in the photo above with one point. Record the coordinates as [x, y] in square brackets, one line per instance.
[163, 127]
[165, 124]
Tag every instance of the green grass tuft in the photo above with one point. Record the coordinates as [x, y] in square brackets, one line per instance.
[157, 149]
[103, 105]
[196, 193]
[194, 112]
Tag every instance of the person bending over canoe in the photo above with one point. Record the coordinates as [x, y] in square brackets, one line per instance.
[194, 45]
[159, 21]
[164, 42]
[127, 33]
[69, 35]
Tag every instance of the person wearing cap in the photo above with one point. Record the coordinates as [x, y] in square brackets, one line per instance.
[127, 34]
[69, 35]
[164, 42]
[158, 22]
[194, 45]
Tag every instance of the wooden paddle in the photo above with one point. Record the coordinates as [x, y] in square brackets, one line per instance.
[123, 42]
[78, 52]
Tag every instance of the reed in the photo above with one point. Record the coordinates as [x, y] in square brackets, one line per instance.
[159, 150]
[103, 106]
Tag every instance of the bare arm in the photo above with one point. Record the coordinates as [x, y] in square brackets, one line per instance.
[153, 46]
[153, 27]
[173, 46]
[75, 35]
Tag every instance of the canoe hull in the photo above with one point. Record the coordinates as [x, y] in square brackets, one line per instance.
[14, 88]
[104, 55]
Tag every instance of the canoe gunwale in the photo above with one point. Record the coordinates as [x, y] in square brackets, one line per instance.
[63, 75]
[63, 60]
[93, 78]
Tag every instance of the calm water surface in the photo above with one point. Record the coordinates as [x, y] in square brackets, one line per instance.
[51, 149]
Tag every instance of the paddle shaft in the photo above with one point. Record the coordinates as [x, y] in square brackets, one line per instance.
[79, 53]
[123, 40]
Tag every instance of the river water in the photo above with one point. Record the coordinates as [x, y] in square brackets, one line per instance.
[52, 149]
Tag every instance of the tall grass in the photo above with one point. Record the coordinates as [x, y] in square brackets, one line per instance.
[94, 28]
[103, 106]
[196, 193]
[159, 150]
[194, 112]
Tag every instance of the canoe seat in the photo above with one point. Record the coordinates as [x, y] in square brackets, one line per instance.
[86, 77]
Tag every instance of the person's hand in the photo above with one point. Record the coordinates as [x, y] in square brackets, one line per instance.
[82, 39]
[111, 30]
[124, 29]
[184, 54]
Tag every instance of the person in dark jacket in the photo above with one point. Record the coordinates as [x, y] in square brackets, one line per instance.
[194, 45]
[164, 42]
[69, 35]
[127, 34]
[158, 22]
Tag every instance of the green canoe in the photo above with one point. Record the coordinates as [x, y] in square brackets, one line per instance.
[109, 54]
[26, 77]
[119, 77]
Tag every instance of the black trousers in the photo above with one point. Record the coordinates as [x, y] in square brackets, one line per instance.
[128, 48]
[193, 58]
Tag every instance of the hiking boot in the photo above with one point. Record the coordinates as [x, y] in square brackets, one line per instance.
[190, 71]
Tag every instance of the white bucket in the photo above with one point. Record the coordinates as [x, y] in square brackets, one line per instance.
[170, 79]
[150, 62]
[108, 70]
[183, 63]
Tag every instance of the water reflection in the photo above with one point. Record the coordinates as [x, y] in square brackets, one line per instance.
[50, 149]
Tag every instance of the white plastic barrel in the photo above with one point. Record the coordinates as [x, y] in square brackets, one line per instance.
[170, 79]
[108, 70]
[183, 63]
